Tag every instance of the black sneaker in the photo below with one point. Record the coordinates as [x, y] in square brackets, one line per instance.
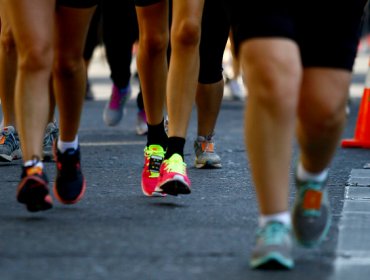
[33, 189]
[69, 184]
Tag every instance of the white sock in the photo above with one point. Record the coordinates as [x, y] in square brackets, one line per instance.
[34, 162]
[282, 217]
[64, 146]
[304, 175]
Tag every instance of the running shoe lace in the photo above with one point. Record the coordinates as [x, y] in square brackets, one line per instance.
[273, 233]
[6, 137]
[175, 164]
[207, 146]
[3, 134]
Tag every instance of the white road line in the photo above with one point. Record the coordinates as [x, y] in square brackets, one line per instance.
[117, 143]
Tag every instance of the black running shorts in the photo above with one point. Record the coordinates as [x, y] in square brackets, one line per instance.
[215, 32]
[80, 4]
[143, 3]
[326, 31]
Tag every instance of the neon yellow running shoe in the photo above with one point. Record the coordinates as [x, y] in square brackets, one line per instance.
[173, 178]
[153, 157]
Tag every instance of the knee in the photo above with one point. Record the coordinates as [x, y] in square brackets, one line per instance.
[36, 57]
[324, 117]
[153, 43]
[67, 65]
[187, 33]
[272, 79]
[324, 97]
[7, 40]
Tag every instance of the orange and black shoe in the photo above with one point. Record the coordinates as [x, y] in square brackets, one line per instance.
[33, 190]
[70, 184]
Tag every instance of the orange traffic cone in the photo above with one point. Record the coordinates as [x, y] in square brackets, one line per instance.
[362, 132]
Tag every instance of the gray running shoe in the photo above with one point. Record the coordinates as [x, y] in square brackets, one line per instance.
[9, 144]
[51, 135]
[311, 213]
[165, 123]
[205, 155]
[114, 109]
[273, 249]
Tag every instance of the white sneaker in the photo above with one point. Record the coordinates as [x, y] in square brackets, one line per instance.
[236, 89]
[141, 125]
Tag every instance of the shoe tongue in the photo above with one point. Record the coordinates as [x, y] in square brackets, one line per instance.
[176, 158]
[156, 148]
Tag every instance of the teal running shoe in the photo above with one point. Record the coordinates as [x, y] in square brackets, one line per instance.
[311, 213]
[273, 249]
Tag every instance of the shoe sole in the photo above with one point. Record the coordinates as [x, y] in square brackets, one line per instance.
[153, 194]
[77, 199]
[14, 156]
[174, 187]
[35, 197]
[272, 261]
[5, 158]
[208, 165]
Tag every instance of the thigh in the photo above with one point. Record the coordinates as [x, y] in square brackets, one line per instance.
[72, 23]
[153, 21]
[186, 9]
[31, 21]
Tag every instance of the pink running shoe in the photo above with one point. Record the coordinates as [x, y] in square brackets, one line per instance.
[173, 179]
[114, 109]
[153, 157]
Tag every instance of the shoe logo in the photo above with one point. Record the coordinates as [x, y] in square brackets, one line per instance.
[207, 147]
[155, 163]
[34, 170]
[312, 200]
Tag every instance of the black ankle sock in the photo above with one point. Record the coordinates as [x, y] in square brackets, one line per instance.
[157, 135]
[175, 146]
